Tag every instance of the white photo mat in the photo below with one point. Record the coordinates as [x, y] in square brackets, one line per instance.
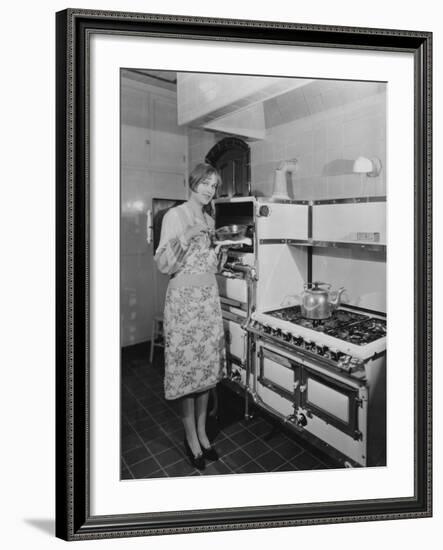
[109, 495]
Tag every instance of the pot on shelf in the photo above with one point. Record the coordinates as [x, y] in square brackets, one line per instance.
[316, 301]
[231, 232]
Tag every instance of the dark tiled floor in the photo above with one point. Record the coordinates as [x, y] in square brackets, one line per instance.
[152, 432]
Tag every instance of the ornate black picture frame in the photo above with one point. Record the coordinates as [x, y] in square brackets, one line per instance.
[73, 516]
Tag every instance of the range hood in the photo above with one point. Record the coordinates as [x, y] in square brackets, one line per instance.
[229, 103]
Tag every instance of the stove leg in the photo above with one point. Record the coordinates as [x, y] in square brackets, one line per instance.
[214, 410]
[248, 415]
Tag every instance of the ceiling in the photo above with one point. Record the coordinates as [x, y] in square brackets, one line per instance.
[319, 95]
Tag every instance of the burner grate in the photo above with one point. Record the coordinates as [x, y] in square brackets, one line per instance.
[344, 324]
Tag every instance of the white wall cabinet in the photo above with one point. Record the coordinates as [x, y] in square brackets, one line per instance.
[362, 222]
[151, 140]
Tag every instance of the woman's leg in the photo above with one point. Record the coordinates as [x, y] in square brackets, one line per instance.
[188, 419]
[201, 407]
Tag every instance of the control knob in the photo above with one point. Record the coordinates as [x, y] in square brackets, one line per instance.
[321, 350]
[344, 360]
[356, 363]
[286, 335]
[236, 376]
[309, 344]
[264, 210]
[301, 420]
[297, 340]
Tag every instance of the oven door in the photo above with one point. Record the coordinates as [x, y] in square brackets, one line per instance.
[332, 400]
[278, 373]
[233, 292]
[235, 339]
[276, 381]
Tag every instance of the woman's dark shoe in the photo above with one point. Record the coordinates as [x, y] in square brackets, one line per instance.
[210, 454]
[196, 461]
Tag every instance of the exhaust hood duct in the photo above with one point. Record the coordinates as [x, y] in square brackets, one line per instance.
[203, 98]
[247, 123]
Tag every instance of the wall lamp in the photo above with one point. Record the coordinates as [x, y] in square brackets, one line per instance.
[370, 167]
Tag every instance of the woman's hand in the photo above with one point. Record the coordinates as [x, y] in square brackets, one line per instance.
[221, 246]
[196, 229]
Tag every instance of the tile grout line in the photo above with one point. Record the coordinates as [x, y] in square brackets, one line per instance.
[289, 440]
[126, 466]
[165, 433]
[143, 443]
[239, 447]
[249, 429]
[257, 438]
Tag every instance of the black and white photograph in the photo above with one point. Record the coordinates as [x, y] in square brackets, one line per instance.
[253, 274]
[221, 255]
[243, 274]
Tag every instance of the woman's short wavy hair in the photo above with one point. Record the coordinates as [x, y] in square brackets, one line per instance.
[202, 172]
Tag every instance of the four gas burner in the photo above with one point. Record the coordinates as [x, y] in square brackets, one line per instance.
[346, 325]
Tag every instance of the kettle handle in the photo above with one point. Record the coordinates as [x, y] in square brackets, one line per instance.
[315, 285]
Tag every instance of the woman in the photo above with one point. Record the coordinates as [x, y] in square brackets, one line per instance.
[193, 327]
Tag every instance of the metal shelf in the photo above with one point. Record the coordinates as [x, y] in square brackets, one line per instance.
[372, 247]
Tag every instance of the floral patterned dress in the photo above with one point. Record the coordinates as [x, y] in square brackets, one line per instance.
[193, 326]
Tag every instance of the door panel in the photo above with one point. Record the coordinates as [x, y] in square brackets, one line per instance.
[323, 397]
[135, 142]
[330, 399]
[278, 403]
[235, 337]
[168, 141]
[153, 160]
[278, 373]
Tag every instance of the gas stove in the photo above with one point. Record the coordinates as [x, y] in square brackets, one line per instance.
[347, 325]
[347, 339]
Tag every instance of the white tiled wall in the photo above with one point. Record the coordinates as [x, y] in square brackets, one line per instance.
[153, 166]
[362, 273]
[326, 133]
[325, 145]
[200, 142]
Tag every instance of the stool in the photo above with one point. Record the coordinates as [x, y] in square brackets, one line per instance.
[157, 333]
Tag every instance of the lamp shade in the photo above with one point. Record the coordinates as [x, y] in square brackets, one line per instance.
[362, 165]
[370, 167]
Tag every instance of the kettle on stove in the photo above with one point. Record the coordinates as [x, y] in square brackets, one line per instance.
[316, 302]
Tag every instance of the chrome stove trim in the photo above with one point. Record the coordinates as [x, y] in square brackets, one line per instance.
[364, 352]
[350, 200]
[329, 364]
[234, 303]
[310, 243]
[290, 423]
